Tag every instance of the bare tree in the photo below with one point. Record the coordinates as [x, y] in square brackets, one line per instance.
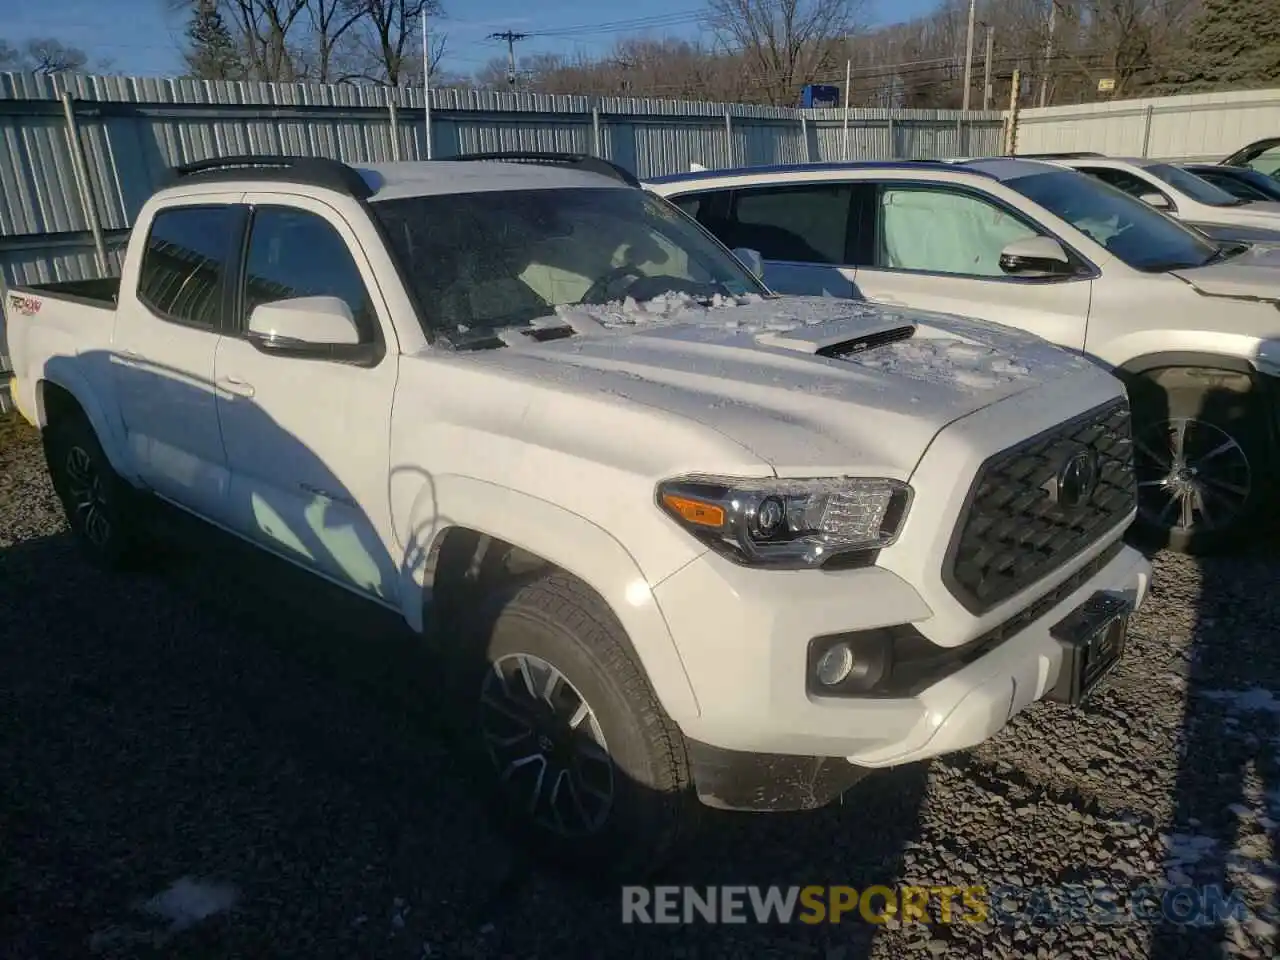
[47, 55]
[390, 40]
[784, 43]
[331, 23]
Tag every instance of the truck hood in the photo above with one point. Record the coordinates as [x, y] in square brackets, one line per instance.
[775, 376]
[1252, 275]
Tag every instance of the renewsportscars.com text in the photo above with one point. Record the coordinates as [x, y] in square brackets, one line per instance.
[813, 904]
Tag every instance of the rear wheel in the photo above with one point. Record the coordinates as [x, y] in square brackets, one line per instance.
[1203, 458]
[582, 766]
[102, 509]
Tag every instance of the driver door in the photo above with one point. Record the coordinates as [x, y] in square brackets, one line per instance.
[938, 248]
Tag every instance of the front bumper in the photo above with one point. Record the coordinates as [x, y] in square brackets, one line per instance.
[743, 636]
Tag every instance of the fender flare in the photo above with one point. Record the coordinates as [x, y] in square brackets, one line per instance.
[66, 376]
[559, 536]
[1183, 358]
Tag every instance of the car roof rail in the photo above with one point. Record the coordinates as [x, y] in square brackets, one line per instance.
[1064, 155]
[312, 171]
[583, 161]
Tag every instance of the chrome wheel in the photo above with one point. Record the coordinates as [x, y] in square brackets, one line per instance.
[87, 496]
[546, 745]
[1192, 476]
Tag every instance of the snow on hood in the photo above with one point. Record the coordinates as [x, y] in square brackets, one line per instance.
[721, 366]
[1253, 275]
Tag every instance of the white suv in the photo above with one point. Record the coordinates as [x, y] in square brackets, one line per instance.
[1182, 194]
[1192, 325]
[674, 536]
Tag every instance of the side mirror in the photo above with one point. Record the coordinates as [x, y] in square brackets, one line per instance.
[1036, 256]
[752, 260]
[1157, 200]
[294, 325]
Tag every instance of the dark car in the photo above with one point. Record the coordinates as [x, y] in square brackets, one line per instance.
[1242, 182]
[1261, 155]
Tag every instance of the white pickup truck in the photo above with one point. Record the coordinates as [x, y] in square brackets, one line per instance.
[677, 538]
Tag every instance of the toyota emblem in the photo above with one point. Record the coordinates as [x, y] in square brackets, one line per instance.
[1076, 479]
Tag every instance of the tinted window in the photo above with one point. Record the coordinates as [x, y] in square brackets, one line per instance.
[1236, 187]
[1121, 180]
[1202, 191]
[293, 253]
[942, 231]
[504, 258]
[803, 224]
[1266, 161]
[185, 261]
[1139, 235]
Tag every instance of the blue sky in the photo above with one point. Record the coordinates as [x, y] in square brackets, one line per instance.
[140, 37]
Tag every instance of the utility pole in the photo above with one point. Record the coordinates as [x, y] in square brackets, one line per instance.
[1011, 127]
[511, 39]
[426, 82]
[968, 56]
[1048, 53]
[986, 71]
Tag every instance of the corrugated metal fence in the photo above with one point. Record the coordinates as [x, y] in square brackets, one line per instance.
[1205, 126]
[126, 131]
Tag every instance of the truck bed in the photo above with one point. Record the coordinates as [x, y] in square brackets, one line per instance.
[96, 291]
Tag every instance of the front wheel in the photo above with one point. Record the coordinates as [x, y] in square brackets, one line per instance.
[586, 770]
[1203, 466]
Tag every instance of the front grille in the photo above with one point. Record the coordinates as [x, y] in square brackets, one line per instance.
[1012, 533]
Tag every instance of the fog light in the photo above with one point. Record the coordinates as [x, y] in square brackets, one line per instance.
[835, 665]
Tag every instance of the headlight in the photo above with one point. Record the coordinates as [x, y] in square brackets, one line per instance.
[787, 523]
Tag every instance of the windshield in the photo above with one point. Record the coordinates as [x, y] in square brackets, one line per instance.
[1199, 190]
[483, 261]
[1142, 237]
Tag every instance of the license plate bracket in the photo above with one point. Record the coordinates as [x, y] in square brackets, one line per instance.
[1093, 639]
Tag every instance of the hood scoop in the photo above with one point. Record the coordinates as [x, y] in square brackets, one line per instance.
[840, 338]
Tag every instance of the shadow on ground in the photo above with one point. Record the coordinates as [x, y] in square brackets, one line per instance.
[226, 717]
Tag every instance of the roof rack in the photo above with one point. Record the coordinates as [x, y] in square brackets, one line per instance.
[1066, 155]
[314, 171]
[583, 161]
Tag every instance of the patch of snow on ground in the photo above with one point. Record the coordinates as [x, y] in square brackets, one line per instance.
[189, 901]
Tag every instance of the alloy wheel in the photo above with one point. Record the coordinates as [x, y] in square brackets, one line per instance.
[87, 496]
[546, 745]
[1193, 476]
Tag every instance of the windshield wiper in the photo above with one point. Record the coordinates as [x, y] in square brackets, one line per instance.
[492, 338]
[1225, 251]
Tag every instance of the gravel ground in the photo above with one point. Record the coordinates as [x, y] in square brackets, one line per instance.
[222, 759]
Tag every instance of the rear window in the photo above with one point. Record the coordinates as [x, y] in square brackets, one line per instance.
[184, 263]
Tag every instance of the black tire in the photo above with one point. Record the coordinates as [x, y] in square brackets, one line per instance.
[102, 509]
[554, 621]
[1204, 459]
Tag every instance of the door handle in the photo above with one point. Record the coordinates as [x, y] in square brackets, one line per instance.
[236, 386]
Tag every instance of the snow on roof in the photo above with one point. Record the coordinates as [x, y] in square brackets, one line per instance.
[391, 181]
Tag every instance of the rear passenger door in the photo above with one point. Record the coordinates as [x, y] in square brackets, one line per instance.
[172, 313]
[937, 247]
[800, 230]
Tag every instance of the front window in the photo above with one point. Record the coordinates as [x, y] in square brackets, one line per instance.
[483, 261]
[1201, 191]
[1141, 237]
[943, 231]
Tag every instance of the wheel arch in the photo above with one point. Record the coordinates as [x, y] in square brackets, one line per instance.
[454, 532]
[62, 392]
